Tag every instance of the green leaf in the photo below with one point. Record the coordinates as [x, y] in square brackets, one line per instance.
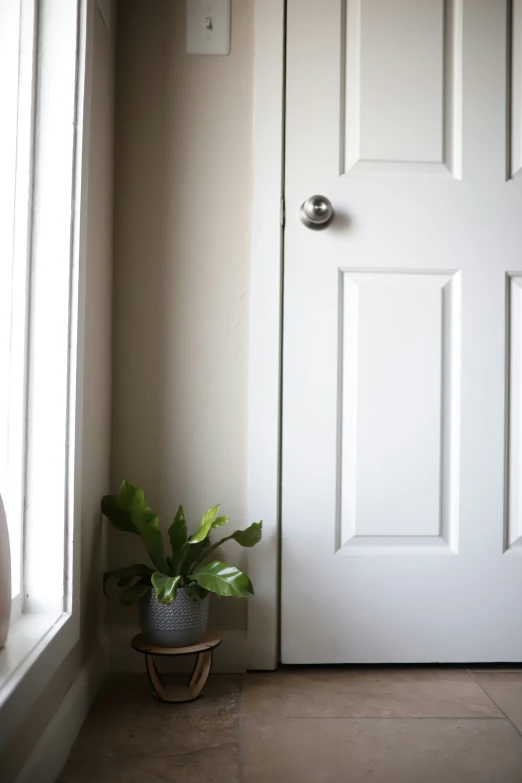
[165, 587]
[116, 515]
[192, 554]
[129, 596]
[195, 592]
[250, 536]
[127, 574]
[178, 565]
[144, 521]
[223, 579]
[205, 525]
[178, 538]
[219, 522]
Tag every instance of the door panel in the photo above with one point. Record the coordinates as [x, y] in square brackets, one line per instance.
[515, 96]
[400, 379]
[401, 463]
[514, 511]
[401, 65]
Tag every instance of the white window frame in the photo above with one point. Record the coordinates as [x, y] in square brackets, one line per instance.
[54, 190]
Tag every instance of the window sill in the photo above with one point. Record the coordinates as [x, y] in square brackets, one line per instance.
[16, 613]
[36, 646]
[25, 635]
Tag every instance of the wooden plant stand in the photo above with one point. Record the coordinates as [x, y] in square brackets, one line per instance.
[178, 694]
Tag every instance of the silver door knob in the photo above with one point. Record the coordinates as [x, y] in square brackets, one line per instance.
[316, 212]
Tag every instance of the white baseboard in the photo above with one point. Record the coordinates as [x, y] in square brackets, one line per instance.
[229, 658]
[49, 755]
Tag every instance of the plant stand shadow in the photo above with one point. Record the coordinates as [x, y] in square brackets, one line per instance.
[178, 694]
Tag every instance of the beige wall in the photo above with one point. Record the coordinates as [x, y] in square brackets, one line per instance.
[97, 400]
[182, 256]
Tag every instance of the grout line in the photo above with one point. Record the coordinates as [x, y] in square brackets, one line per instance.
[494, 702]
[240, 730]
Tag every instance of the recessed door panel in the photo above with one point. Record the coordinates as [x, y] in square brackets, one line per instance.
[400, 398]
[402, 100]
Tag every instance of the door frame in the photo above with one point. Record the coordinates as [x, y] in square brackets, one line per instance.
[266, 323]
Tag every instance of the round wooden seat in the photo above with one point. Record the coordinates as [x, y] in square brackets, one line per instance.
[177, 694]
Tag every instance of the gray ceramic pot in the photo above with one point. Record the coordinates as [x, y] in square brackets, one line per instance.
[179, 624]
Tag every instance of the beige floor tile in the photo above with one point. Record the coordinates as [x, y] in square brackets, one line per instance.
[218, 765]
[126, 718]
[381, 751]
[366, 693]
[496, 667]
[128, 690]
[505, 688]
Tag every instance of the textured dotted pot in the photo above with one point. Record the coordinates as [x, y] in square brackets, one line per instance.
[179, 624]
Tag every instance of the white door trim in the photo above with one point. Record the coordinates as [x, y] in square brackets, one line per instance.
[266, 330]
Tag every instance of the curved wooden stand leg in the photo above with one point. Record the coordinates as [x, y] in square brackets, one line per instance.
[201, 671]
[177, 694]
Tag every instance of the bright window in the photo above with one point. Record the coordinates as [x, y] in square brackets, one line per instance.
[45, 56]
[15, 150]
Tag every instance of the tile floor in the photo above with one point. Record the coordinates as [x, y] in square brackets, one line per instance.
[314, 725]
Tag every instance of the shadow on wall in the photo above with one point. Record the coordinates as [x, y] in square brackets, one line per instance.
[182, 257]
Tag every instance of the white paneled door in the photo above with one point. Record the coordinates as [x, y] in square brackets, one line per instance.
[402, 382]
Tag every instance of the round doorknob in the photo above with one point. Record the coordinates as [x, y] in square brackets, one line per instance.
[316, 212]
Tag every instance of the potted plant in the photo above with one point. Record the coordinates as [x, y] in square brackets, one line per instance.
[173, 595]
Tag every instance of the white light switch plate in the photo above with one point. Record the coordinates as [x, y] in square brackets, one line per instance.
[208, 26]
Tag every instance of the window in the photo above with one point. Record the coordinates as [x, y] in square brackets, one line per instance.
[14, 154]
[44, 81]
